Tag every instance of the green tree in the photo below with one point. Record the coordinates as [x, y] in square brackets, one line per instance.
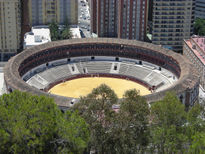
[168, 125]
[96, 109]
[199, 27]
[198, 143]
[195, 129]
[54, 31]
[132, 123]
[32, 124]
[66, 33]
[116, 132]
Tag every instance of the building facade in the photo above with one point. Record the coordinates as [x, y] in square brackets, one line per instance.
[10, 28]
[172, 22]
[200, 9]
[104, 17]
[132, 19]
[194, 50]
[119, 18]
[43, 12]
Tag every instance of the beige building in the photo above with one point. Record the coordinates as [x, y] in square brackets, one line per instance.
[42, 12]
[10, 28]
[194, 50]
[172, 22]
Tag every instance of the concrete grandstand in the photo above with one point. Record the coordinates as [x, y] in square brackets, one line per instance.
[39, 68]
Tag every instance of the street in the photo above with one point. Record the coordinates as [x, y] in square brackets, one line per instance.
[84, 18]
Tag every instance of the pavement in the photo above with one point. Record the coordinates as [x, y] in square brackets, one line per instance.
[84, 18]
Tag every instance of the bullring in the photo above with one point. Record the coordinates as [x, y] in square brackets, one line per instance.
[34, 61]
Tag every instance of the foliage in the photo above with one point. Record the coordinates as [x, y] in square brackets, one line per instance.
[198, 143]
[66, 33]
[132, 123]
[57, 34]
[168, 126]
[96, 109]
[54, 31]
[115, 132]
[199, 27]
[32, 124]
[175, 130]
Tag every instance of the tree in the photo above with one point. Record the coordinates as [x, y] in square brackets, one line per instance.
[198, 143]
[54, 31]
[96, 109]
[132, 123]
[199, 27]
[32, 124]
[125, 131]
[66, 33]
[168, 125]
[196, 128]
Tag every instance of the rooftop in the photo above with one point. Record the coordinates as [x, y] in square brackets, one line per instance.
[197, 44]
[75, 32]
[37, 36]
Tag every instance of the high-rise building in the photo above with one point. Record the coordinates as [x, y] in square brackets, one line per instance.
[10, 28]
[119, 18]
[172, 22]
[132, 19]
[25, 25]
[45, 11]
[104, 17]
[200, 9]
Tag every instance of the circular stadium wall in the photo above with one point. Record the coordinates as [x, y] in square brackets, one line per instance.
[74, 52]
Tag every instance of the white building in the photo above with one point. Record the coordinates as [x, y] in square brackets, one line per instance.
[38, 35]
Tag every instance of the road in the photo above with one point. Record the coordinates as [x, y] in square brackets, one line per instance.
[84, 17]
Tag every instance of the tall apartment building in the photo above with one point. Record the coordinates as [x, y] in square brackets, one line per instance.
[119, 18]
[132, 19]
[194, 50]
[200, 9]
[42, 12]
[172, 22]
[104, 17]
[25, 26]
[10, 28]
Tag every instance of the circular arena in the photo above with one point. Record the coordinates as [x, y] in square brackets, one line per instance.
[41, 68]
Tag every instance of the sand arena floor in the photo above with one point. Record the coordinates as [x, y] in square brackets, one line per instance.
[83, 86]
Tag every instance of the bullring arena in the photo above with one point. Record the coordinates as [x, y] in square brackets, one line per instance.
[55, 68]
